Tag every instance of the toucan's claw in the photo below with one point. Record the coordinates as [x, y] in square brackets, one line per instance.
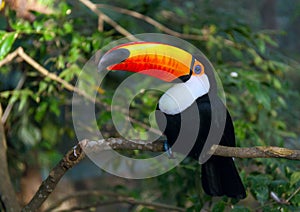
[74, 151]
[168, 150]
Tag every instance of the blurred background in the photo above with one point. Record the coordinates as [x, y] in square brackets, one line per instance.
[253, 45]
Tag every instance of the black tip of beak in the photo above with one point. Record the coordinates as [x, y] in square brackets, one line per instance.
[113, 57]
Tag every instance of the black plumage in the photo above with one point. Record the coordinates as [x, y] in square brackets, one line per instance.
[219, 174]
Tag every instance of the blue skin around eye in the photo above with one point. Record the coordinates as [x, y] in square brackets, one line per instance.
[197, 69]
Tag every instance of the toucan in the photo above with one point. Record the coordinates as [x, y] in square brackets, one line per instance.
[194, 86]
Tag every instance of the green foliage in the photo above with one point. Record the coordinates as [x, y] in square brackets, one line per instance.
[6, 42]
[248, 62]
[54, 43]
[260, 187]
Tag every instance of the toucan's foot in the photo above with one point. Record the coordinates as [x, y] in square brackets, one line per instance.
[74, 151]
[168, 150]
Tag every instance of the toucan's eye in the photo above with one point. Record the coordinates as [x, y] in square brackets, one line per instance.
[197, 69]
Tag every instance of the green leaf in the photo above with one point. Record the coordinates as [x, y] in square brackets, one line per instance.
[40, 112]
[54, 107]
[50, 134]
[5, 94]
[69, 73]
[14, 98]
[42, 86]
[240, 208]
[68, 27]
[180, 12]
[295, 178]
[60, 62]
[23, 101]
[260, 187]
[264, 99]
[6, 43]
[29, 134]
[64, 8]
[38, 26]
[22, 26]
[48, 36]
[74, 54]
[236, 52]
[277, 84]
[220, 206]
[261, 46]
[296, 200]
[270, 41]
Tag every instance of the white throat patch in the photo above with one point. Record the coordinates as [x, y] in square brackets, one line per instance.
[182, 95]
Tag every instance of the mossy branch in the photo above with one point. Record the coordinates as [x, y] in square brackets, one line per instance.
[76, 154]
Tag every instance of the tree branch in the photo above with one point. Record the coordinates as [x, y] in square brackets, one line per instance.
[130, 201]
[81, 194]
[152, 22]
[75, 155]
[108, 20]
[10, 105]
[8, 198]
[256, 152]
[114, 199]
[94, 7]
[225, 151]
[70, 159]
[20, 52]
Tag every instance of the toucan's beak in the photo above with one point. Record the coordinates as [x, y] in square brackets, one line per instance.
[158, 60]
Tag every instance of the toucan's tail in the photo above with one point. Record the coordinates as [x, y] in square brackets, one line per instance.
[220, 177]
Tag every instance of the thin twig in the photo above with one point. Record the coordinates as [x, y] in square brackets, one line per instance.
[108, 20]
[293, 194]
[52, 76]
[152, 22]
[130, 201]
[20, 52]
[100, 23]
[90, 206]
[203, 37]
[115, 198]
[81, 194]
[10, 105]
[9, 57]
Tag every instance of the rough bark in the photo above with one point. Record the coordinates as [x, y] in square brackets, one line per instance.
[75, 155]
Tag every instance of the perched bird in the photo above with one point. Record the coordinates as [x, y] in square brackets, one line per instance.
[194, 87]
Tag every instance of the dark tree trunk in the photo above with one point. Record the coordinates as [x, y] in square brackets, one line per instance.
[8, 198]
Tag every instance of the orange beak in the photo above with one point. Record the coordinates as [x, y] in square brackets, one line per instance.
[155, 59]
